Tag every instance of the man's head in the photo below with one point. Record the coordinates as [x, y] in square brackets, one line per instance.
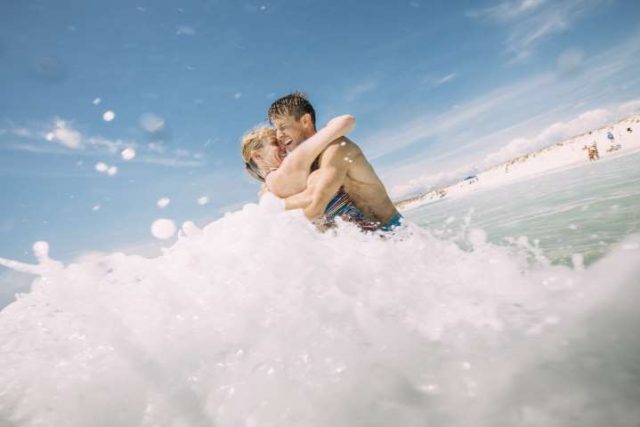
[261, 152]
[294, 119]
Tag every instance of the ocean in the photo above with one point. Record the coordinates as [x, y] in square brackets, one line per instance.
[258, 320]
[569, 215]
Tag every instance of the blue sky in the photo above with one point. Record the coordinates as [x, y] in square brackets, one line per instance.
[438, 87]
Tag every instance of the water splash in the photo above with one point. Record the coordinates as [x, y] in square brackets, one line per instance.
[256, 319]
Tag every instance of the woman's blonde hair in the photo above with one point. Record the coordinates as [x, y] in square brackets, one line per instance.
[253, 141]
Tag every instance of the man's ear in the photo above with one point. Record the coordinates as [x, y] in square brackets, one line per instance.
[306, 121]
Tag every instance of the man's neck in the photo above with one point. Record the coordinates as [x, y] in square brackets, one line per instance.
[311, 133]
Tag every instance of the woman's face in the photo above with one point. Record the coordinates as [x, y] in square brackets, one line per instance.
[271, 155]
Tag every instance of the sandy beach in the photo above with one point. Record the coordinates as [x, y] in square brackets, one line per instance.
[570, 153]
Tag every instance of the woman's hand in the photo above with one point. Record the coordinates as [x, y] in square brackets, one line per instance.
[342, 124]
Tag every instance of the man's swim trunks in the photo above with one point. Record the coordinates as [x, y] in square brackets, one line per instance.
[342, 206]
[393, 223]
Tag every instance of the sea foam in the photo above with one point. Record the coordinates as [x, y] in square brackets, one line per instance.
[259, 320]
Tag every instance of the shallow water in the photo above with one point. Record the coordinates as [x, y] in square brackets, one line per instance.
[579, 211]
[259, 320]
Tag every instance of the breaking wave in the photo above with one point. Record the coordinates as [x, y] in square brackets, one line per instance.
[258, 320]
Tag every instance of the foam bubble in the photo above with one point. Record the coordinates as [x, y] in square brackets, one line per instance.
[189, 228]
[578, 261]
[128, 153]
[97, 101]
[204, 200]
[163, 228]
[108, 116]
[258, 319]
[477, 237]
[102, 167]
[163, 202]
[112, 170]
[41, 249]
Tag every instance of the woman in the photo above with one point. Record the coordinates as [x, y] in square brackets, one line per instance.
[286, 176]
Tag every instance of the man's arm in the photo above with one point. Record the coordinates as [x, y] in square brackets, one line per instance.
[291, 177]
[331, 176]
[298, 201]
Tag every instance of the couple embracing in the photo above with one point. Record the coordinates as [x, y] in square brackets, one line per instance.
[321, 171]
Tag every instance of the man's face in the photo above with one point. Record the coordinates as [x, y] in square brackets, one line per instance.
[291, 132]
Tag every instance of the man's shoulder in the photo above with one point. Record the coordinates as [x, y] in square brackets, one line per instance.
[343, 147]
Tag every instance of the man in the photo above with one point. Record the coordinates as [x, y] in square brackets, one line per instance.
[343, 183]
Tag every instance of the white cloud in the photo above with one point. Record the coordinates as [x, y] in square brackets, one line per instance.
[111, 145]
[69, 140]
[530, 22]
[64, 134]
[171, 162]
[486, 123]
[151, 123]
[354, 92]
[508, 10]
[155, 147]
[37, 149]
[22, 132]
[570, 60]
[185, 30]
[427, 182]
[181, 152]
[551, 134]
[455, 119]
[630, 107]
[445, 79]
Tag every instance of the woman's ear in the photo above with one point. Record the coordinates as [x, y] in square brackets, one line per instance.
[255, 155]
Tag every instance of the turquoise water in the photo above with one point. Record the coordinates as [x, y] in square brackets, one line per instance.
[584, 210]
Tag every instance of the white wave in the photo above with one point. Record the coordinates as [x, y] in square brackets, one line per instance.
[258, 320]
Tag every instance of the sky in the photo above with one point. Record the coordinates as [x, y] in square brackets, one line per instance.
[106, 107]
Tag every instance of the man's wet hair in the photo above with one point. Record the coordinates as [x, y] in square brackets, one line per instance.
[295, 104]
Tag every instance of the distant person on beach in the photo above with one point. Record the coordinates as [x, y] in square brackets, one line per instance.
[592, 151]
[340, 181]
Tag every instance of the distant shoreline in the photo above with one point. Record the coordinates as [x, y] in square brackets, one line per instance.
[568, 153]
